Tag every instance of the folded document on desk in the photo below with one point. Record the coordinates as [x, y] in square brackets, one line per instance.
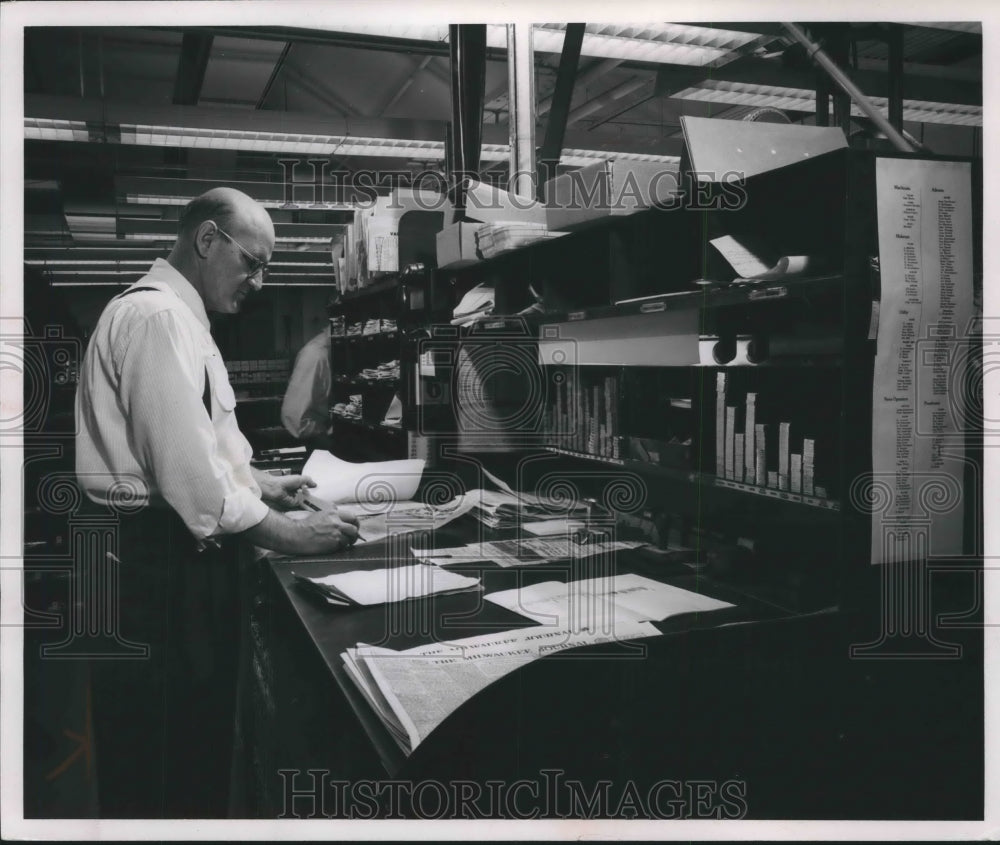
[384, 586]
[598, 602]
[413, 691]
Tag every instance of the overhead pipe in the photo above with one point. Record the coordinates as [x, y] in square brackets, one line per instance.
[521, 93]
[845, 84]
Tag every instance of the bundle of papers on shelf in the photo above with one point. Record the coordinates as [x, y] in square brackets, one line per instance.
[351, 409]
[478, 302]
[384, 586]
[383, 372]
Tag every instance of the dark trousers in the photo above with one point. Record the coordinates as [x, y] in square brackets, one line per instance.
[164, 724]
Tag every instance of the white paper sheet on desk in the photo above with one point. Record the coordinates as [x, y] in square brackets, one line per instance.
[384, 586]
[416, 689]
[375, 481]
[552, 527]
[598, 602]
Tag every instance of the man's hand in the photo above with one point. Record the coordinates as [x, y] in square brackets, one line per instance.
[326, 531]
[321, 532]
[284, 492]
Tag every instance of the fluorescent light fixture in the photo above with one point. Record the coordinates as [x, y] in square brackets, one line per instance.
[86, 262]
[432, 151]
[666, 42]
[804, 100]
[676, 44]
[41, 129]
[168, 239]
[150, 199]
[97, 272]
[58, 284]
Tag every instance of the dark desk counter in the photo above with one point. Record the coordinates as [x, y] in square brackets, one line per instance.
[711, 698]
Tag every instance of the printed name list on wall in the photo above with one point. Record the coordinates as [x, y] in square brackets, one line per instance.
[925, 255]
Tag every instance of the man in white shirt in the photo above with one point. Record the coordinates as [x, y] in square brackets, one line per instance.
[156, 430]
[305, 410]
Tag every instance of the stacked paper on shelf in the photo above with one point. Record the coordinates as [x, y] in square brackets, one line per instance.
[385, 371]
[354, 329]
[478, 302]
[372, 326]
[350, 409]
[497, 238]
[413, 691]
[365, 587]
[337, 326]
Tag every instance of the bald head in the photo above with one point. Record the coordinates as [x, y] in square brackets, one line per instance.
[223, 238]
[229, 208]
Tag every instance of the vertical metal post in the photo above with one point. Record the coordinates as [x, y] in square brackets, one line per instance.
[895, 38]
[467, 47]
[822, 101]
[555, 129]
[521, 96]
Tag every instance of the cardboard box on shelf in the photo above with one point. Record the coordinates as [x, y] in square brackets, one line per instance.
[610, 188]
[456, 245]
[487, 203]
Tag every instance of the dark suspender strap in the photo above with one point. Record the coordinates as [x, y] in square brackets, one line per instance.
[206, 397]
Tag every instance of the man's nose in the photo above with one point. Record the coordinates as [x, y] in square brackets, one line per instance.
[256, 281]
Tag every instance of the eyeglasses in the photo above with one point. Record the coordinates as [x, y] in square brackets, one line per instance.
[256, 265]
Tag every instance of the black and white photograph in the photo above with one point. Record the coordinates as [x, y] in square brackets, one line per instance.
[524, 421]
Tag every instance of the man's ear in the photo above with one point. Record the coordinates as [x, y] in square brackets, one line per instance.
[203, 237]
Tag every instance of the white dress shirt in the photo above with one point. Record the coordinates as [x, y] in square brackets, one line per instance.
[305, 410]
[142, 427]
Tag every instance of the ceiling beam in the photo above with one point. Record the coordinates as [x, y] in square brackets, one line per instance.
[339, 39]
[310, 85]
[418, 67]
[275, 72]
[196, 47]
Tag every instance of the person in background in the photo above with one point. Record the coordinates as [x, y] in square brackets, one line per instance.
[157, 430]
[305, 410]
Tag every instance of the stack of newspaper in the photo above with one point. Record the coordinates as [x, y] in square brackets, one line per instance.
[414, 690]
[503, 509]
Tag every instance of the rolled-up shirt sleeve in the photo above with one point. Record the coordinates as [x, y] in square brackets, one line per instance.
[161, 377]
